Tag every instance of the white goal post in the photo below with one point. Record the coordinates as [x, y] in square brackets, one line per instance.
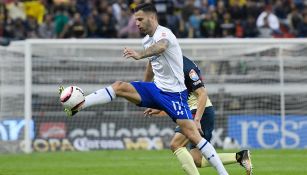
[258, 88]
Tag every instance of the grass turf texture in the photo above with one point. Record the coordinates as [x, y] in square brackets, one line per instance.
[266, 162]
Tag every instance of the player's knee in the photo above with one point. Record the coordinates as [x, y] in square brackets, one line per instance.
[193, 137]
[174, 146]
[119, 87]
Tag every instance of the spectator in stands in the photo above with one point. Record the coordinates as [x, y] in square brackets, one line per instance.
[3, 11]
[187, 10]
[31, 27]
[162, 7]
[130, 30]
[19, 30]
[1, 28]
[179, 4]
[183, 29]
[103, 7]
[302, 28]
[75, 28]
[252, 9]
[61, 19]
[281, 9]
[3, 18]
[173, 21]
[119, 12]
[16, 10]
[265, 31]
[208, 26]
[83, 8]
[134, 3]
[204, 7]
[226, 27]
[268, 23]
[9, 29]
[125, 16]
[194, 23]
[294, 19]
[220, 10]
[35, 9]
[240, 3]
[250, 29]
[236, 10]
[107, 27]
[92, 27]
[239, 30]
[47, 28]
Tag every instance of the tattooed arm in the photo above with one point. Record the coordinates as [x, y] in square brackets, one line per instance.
[155, 49]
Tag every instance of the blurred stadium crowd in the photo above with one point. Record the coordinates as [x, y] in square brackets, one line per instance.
[22, 19]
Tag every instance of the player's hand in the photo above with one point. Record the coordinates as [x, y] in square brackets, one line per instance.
[150, 112]
[130, 53]
[198, 125]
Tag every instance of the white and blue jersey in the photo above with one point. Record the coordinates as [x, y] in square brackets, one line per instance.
[167, 67]
[168, 91]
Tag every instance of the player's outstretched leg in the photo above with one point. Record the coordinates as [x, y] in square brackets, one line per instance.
[106, 95]
[244, 158]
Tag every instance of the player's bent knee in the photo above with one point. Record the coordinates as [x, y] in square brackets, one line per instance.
[174, 146]
[194, 137]
[120, 87]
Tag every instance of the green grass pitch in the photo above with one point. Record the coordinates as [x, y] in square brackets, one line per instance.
[265, 162]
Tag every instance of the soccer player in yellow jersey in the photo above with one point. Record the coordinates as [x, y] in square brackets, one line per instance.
[203, 112]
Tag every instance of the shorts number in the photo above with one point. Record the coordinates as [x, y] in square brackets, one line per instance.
[177, 107]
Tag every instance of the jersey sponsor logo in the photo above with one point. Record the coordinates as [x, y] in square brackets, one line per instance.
[193, 75]
[196, 82]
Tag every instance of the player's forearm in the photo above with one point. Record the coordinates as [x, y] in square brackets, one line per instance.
[201, 103]
[155, 49]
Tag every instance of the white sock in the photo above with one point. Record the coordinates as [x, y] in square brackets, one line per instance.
[210, 154]
[99, 97]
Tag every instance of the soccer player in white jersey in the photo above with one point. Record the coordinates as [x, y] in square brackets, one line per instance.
[204, 114]
[167, 92]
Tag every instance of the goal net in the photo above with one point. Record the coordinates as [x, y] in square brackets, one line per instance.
[258, 88]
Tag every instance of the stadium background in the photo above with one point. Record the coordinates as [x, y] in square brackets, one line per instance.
[258, 86]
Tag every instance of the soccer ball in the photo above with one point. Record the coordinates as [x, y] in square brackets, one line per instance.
[71, 97]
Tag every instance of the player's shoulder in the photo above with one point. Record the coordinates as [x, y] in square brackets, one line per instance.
[163, 32]
[188, 64]
[163, 29]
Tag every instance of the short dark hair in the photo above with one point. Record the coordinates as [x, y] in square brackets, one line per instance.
[146, 7]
